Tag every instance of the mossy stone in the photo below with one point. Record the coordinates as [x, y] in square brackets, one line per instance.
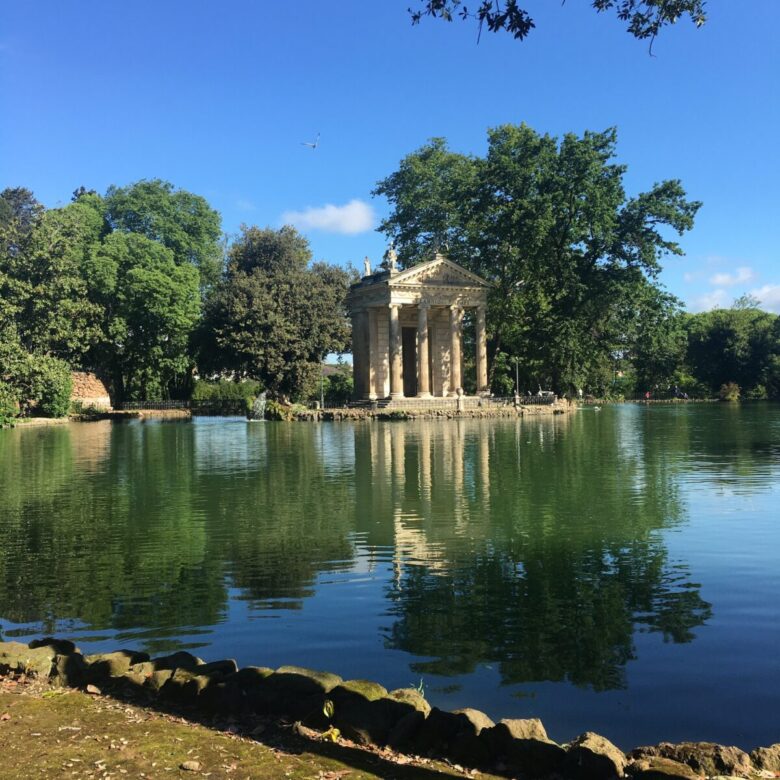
[60, 646]
[70, 670]
[181, 659]
[145, 668]
[218, 668]
[524, 728]
[252, 675]
[158, 678]
[412, 697]
[476, 720]
[658, 768]
[298, 680]
[706, 758]
[370, 691]
[184, 687]
[104, 665]
[767, 758]
[593, 757]
[18, 657]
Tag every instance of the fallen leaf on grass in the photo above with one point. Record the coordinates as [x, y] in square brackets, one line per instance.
[5, 716]
[190, 766]
[93, 689]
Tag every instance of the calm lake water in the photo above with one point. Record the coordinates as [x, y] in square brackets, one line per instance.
[617, 571]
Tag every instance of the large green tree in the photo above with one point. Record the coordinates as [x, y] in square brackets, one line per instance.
[572, 256]
[657, 348]
[42, 283]
[179, 220]
[735, 345]
[150, 307]
[275, 316]
[111, 284]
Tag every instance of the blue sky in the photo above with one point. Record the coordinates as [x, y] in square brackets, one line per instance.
[217, 98]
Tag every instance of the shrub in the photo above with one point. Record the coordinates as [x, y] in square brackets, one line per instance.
[86, 411]
[274, 410]
[688, 384]
[9, 404]
[44, 385]
[225, 390]
[758, 393]
[338, 389]
[729, 392]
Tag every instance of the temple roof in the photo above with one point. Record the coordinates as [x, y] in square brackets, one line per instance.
[439, 271]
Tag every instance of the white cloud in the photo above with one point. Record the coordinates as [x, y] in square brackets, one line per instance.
[740, 276]
[769, 295]
[711, 300]
[242, 204]
[353, 217]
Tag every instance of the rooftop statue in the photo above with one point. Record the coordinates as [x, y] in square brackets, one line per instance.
[390, 261]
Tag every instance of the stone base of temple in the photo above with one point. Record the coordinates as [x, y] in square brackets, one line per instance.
[462, 404]
[466, 407]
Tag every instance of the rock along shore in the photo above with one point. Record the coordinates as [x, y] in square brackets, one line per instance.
[366, 713]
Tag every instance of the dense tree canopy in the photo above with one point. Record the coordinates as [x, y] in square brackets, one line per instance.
[735, 345]
[111, 284]
[573, 258]
[138, 286]
[274, 317]
[150, 306]
[179, 220]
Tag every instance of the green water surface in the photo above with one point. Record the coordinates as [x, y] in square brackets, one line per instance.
[616, 571]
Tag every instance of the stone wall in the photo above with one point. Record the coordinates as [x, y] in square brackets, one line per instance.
[366, 713]
[88, 390]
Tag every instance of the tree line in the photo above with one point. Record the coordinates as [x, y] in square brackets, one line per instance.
[575, 263]
[140, 284]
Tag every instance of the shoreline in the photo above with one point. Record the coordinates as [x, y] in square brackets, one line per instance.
[346, 414]
[323, 707]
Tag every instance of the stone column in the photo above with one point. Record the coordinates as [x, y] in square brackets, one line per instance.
[482, 373]
[455, 378]
[396, 365]
[423, 351]
[373, 357]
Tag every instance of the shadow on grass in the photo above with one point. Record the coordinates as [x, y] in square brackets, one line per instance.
[280, 735]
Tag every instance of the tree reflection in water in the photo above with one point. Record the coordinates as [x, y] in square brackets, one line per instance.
[525, 545]
[534, 545]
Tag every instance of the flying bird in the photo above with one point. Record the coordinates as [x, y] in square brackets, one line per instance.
[311, 145]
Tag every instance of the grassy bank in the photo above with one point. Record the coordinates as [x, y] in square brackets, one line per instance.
[50, 732]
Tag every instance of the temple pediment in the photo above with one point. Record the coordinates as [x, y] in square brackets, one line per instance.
[439, 272]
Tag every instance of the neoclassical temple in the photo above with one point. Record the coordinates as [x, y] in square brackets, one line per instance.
[407, 329]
